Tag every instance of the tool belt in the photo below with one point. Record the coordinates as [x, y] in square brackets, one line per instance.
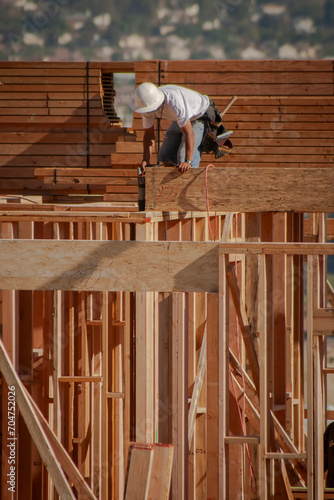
[213, 128]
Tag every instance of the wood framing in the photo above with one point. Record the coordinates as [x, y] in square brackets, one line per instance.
[162, 354]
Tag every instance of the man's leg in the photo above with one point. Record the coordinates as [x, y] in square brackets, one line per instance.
[198, 128]
[170, 145]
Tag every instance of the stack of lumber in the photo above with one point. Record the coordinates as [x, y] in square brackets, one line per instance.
[55, 115]
[283, 117]
[284, 114]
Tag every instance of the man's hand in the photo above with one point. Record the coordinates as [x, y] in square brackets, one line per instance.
[184, 166]
[143, 165]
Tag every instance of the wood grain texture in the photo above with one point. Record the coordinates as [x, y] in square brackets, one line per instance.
[253, 189]
[114, 265]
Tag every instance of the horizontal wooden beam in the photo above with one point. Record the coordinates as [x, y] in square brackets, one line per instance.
[108, 265]
[270, 248]
[127, 265]
[253, 189]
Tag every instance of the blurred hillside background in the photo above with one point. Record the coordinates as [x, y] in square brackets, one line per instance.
[76, 30]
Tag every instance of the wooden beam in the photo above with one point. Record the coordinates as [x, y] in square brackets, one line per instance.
[35, 428]
[145, 266]
[253, 189]
[113, 265]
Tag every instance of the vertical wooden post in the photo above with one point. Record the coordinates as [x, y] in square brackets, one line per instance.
[25, 345]
[310, 380]
[279, 343]
[213, 372]
[223, 378]
[106, 466]
[201, 428]
[144, 357]
[298, 336]
[192, 372]
[179, 398]
[264, 477]
[9, 315]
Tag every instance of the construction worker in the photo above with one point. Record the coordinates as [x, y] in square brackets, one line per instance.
[184, 107]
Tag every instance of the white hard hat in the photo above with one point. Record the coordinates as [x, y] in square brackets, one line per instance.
[147, 98]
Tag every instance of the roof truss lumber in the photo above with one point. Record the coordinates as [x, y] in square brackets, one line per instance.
[126, 265]
[252, 189]
[36, 430]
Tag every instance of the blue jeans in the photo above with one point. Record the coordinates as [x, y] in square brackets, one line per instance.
[172, 149]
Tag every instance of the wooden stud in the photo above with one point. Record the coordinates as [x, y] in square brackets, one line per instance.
[223, 380]
[179, 398]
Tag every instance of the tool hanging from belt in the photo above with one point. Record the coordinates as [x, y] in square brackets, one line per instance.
[216, 137]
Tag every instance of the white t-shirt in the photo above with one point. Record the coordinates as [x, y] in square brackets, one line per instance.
[180, 105]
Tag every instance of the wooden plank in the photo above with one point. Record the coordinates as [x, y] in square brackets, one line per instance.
[179, 400]
[161, 472]
[323, 321]
[139, 472]
[35, 428]
[144, 329]
[78, 160]
[223, 379]
[276, 89]
[79, 172]
[212, 399]
[257, 146]
[49, 87]
[310, 381]
[94, 265]
[17, 69]
[70, 137]
[56, 149]
[264, 471]
[237, 189]
[218, 65]
[261, 77]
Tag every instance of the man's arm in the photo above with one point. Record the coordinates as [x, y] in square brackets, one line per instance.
[189, 145]
[148, 143]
